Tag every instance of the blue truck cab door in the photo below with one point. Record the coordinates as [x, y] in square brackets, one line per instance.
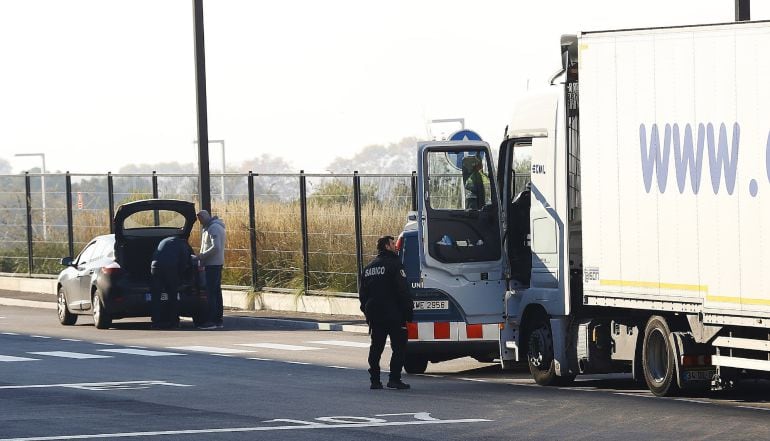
[459, 228]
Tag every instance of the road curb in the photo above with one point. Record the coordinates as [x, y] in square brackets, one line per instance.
[4, 301]
[296, 324]
[233, 320]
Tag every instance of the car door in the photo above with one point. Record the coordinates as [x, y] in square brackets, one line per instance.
[459, 228]
[82, 292]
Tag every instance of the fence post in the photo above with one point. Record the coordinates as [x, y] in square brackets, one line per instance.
[28, 199]
[253, 234]
[110, 201]
[155, 196]
[359, 238]
[70, 235]
[303, 220]
[414, 190]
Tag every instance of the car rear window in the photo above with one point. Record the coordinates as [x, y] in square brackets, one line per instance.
[154, 218]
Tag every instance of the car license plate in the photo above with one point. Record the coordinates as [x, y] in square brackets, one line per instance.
[163, 296]
[431, 304]
[706, 375]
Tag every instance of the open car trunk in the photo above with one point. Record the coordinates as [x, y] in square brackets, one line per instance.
[139, 228]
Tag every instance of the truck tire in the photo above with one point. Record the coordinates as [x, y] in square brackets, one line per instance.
[658, 359]
[414, 364]
[540, 355]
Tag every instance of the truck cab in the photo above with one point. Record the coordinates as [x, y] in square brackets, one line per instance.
[452, 251]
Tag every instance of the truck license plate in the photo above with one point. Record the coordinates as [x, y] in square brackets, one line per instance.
[164, 297]
[431, 304]
[706, 375]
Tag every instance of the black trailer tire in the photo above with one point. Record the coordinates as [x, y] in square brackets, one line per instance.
[415, 364]
[66, 318]
[658, 358]
[102, 318]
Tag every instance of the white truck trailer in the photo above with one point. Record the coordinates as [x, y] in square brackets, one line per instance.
[639, 245]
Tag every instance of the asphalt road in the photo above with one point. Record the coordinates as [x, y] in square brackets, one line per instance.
[248, 383]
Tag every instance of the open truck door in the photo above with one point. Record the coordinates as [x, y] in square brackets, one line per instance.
[459, 228]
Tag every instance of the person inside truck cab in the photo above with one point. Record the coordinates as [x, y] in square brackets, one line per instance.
[477, 189]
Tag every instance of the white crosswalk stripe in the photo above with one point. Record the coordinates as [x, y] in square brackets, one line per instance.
[350, 344]
[65, 354]
[142, 352]
[210, 349]
[279, 346]
[12, 358]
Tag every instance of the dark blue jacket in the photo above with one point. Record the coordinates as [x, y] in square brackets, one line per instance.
[173, 252]
[384, 295]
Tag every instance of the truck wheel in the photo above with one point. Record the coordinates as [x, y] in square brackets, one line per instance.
[658, 360]
[101, 317]
[65, 317]
[540, 353]
[415, 365]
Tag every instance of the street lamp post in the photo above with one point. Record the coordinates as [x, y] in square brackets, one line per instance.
[222, 143]
[42, 189]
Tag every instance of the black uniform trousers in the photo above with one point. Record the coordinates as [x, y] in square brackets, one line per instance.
[398, 337]
[165, 280]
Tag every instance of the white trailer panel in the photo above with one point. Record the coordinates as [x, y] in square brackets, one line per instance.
[681, 227]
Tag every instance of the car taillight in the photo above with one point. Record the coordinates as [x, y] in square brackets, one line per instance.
[112, 269]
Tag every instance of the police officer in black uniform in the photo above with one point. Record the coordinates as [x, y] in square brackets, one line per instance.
[387, 304]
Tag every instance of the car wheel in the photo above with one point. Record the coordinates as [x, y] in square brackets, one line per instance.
[65, 316]
[414, 364]
[101, 317]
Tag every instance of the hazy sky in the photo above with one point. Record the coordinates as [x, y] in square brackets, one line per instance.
[97, 84]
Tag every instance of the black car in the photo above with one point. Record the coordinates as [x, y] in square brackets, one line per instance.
[110, 278]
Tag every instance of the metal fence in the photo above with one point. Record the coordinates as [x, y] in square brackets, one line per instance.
[299, 231]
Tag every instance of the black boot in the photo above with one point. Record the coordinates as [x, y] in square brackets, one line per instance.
[397, 384]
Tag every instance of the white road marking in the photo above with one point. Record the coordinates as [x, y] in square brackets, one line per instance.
[336, 422]
[65, 354]
[297, 362]
[70, 339]
[108, 385]
[261, 359]
[279, 346]
[210, 349]
[351, 344]
[10, 333]
[144, 352]
[339, 367]
[39, 336]
[138, 347]
[12, 358]
[103, 344]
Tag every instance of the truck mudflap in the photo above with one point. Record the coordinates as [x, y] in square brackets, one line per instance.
[694, 370]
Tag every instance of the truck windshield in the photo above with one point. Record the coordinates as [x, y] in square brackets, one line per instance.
[462, 212]
[459, 180]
